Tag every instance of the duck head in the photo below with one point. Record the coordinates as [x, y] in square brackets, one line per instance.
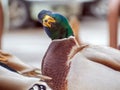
[55, 25]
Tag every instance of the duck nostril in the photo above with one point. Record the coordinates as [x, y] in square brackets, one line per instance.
[46, 20]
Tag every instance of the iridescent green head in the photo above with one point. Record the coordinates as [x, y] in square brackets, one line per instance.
[55, 25]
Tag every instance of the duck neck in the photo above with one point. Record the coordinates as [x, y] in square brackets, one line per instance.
[55, 62]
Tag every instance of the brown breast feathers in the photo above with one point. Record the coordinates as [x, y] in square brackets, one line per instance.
[55, 64]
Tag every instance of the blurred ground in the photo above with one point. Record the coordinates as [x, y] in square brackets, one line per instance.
[30, 44]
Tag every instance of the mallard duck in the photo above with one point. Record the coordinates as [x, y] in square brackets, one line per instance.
[16, 75]
[10, 80]
[76, 67]
[15, 64]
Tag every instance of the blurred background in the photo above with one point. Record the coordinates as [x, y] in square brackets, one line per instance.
[24, 37]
